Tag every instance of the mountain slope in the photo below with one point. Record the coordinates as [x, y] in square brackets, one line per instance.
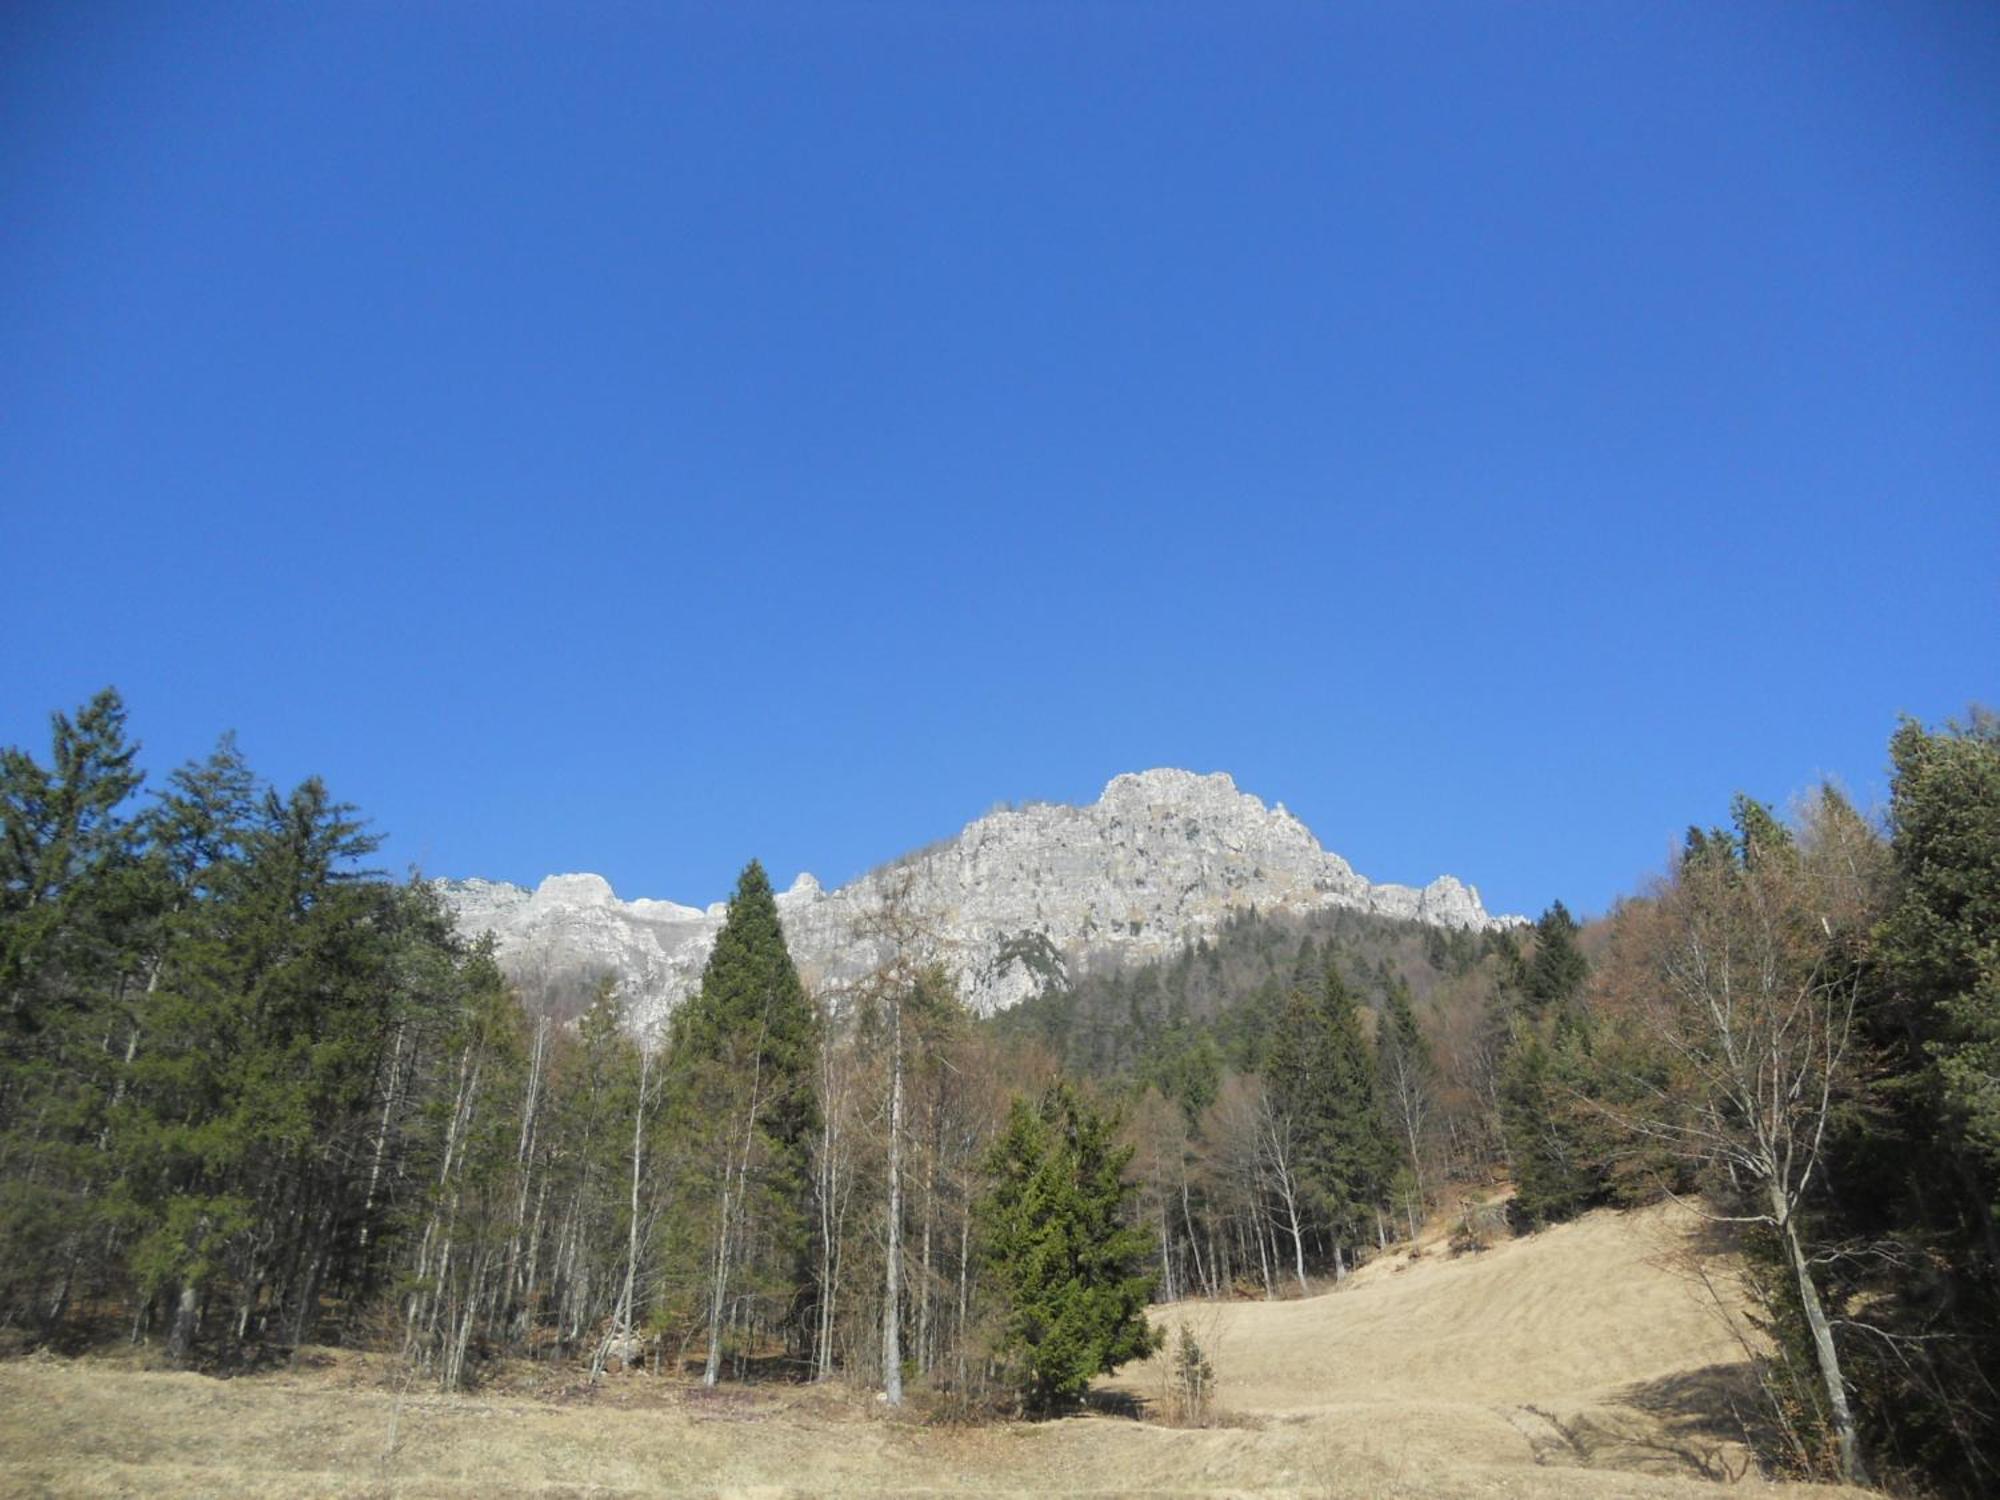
[1020, 899]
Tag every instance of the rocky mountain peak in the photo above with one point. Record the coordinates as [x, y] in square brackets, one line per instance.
[581, 890]
[1019, 899]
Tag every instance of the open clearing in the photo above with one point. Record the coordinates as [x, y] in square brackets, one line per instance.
[1580, 1362]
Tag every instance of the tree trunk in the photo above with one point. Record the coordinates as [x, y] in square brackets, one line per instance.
[180, 1342]
[711, 1370]
[924, 1263]
[621, 1323]
[1852, 1468]
[892, 1261]
[1298, 1244]
[1194, 1248]
[964, 1281]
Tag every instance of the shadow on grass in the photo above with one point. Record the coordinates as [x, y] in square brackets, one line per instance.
[1126, 1404]
[1706, 1418]
[754, 1369]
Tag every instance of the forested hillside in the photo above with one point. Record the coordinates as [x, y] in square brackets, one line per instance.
[254, 1096]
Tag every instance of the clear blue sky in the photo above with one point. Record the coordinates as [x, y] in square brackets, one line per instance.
[639, 437]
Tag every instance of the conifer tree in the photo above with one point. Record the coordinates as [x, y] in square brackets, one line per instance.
[1066, 1259]
[68, 885]
[1919, 1168]
[1557, 1141]
[1942, 939]
[741, 1062]
[1554, 975]
[1323, 1081]
[64, 843]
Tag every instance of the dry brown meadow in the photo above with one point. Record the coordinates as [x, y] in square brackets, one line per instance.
[1585, 1361]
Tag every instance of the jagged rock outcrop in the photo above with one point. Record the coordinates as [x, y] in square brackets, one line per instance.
[1018, 900]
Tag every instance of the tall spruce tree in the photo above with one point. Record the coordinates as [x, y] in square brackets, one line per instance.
[1553, 978]
[68, 890]
[65, 841]
[1919, 1167]
[1941, 942]
[740, 1085]
[1546, 1074]
[1322, 1077]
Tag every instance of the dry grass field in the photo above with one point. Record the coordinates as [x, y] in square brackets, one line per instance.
[1580, 1362]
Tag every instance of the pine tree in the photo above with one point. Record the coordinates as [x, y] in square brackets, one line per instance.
[69, 885]
[1919, 1166]
[1323, 1082]
[1557, 1147]
[1554, 976]
[740, 1085]
[262, 1056]
[1066, 1259]
[1942, 940]
[64, 842]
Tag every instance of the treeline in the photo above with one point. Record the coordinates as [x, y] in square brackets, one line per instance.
[253, 1096]
[1302, 1090]
[1801, 1023]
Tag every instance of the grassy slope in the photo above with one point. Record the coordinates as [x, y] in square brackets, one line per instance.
[1582, 1362]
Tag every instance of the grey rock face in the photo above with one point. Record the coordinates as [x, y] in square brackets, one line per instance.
[1019, 898]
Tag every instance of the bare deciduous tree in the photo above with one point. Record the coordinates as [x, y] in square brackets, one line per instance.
[1753, 997]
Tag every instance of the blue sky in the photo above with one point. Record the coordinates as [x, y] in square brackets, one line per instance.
[635, 438]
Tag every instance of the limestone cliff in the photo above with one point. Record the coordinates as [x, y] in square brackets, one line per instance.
[1017, 900]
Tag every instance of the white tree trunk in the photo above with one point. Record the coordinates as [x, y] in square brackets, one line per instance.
[1852, 1469]
[621, 1322]
[892, 1299]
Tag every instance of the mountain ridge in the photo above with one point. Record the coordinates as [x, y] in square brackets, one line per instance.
[1020, 898]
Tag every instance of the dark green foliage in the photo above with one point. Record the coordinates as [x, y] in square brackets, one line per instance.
[66, 849]
[1915, 1158]
[1185, 1064]
[69, 894]
[1557, 1139]
[751, 1011]
[1560, 1149]
[1552, 979]
[740, 1099]
[1133, 1024]
[201, 1002]
[1941, 943]
[1322, 1076]
[1066, 1261]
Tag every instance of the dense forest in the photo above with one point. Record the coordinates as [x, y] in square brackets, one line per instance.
[253, 1096]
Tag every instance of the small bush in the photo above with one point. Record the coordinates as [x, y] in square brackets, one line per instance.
[1190, 1382]
[1473, 1231]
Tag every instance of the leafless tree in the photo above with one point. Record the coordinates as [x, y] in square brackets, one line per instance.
[1753, 999]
